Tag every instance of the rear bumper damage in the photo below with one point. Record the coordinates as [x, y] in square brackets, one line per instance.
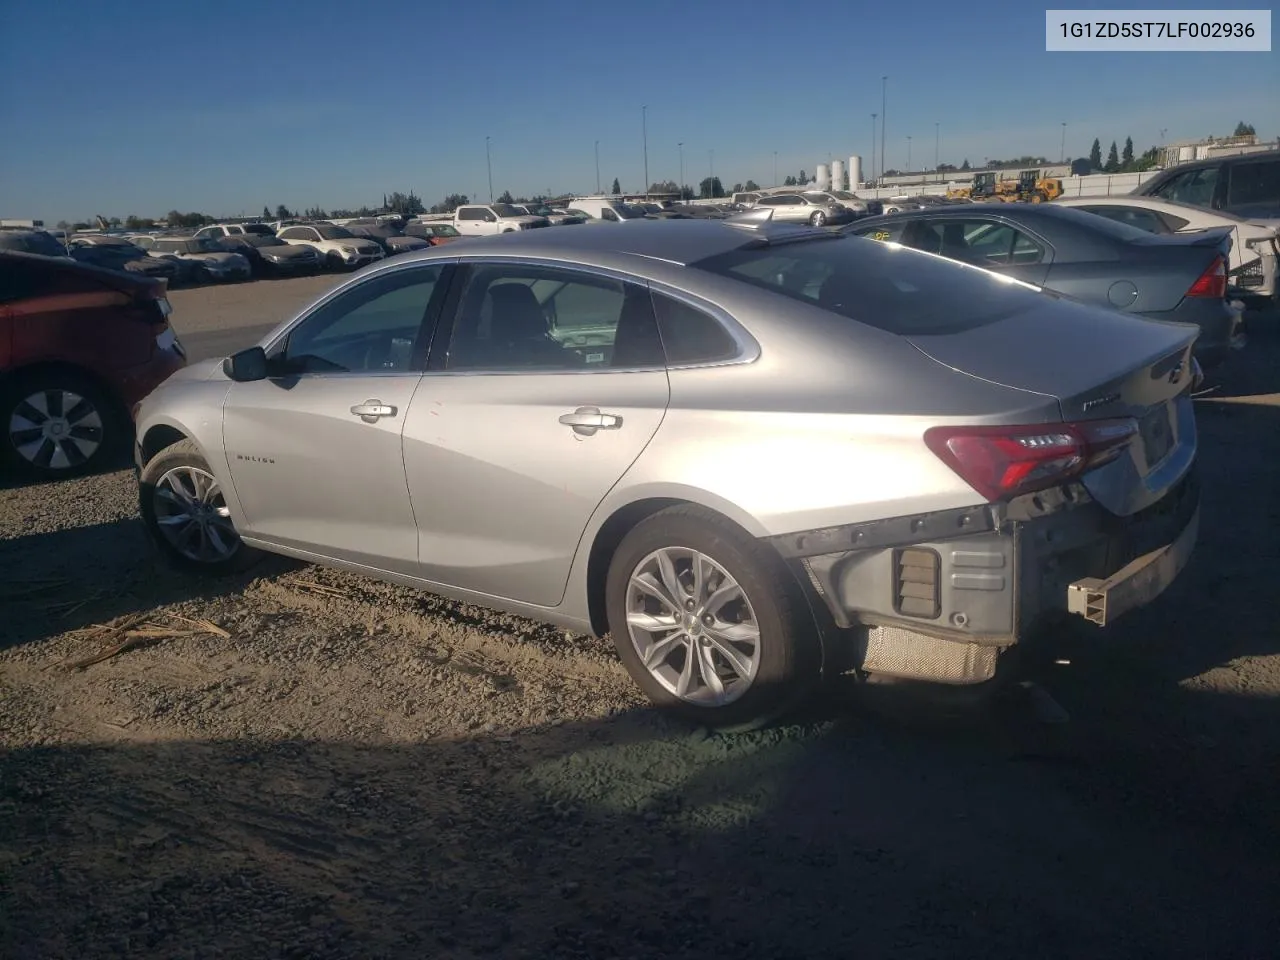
[939, 596]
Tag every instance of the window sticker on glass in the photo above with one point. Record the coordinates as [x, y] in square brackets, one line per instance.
[595, 358]
[880, 235]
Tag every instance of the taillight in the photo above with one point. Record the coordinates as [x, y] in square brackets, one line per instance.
[1213, 282]
[1001, 462]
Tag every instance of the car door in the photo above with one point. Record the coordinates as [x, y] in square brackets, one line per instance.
[314, 449]
[988, 242]
[540, 393]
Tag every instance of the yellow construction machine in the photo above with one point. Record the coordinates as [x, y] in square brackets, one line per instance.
[1030, 187]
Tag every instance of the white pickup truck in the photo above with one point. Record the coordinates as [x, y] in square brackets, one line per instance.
[482, 220]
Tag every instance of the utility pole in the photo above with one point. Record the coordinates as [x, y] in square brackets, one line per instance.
[1062, 152]
[775, 168]
[872, 178]
[711, 165]
[681, 146]
[488, 162]
[644, 127]
[598, 166]
[908, 154]
[937, 145]
[884, 119]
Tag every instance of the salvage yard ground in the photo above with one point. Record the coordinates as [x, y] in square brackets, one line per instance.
[304, 763]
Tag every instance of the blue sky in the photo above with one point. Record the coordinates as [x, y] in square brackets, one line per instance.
[142, 106]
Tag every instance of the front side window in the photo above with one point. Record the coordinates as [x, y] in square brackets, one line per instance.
[546, 320]
[983, 243]
[374, 327]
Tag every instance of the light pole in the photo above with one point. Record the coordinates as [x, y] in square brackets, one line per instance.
[644, 127]
[681, 146]
[711, 165]
[597, 166]
[884, 118]
[488, 162]
[873, 147]
[775, 168]
[1062, 151]
[937, 145]
[908, 154]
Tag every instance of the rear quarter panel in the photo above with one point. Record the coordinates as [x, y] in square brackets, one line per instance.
[93, 330]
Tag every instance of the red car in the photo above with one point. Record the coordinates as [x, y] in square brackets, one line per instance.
[79, 346]
[435, 233]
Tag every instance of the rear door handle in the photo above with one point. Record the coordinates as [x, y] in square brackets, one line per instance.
[585, 421]
[371, 410]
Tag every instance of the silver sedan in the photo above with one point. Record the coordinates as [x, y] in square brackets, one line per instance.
[751, 453]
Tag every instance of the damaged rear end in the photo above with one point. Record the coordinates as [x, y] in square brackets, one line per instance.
[1090, 513]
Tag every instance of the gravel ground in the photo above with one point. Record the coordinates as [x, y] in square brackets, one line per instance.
[304, 763]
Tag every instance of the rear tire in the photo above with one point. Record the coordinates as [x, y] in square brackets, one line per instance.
[186, 515]
[58, 423]
[741, 649]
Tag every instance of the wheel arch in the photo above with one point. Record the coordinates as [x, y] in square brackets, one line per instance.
[158, 436]
[623, 517]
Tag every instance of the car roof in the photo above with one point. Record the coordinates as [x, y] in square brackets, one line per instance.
[112, 278]
[679, 242]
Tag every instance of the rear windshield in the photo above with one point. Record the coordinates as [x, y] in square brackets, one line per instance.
[882, 285]
[1113, 228]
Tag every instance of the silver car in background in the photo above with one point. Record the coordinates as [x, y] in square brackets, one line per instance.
[751, 453]
[814, 209]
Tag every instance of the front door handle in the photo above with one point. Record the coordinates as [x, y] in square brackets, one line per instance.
[585, 421]
[371, 410]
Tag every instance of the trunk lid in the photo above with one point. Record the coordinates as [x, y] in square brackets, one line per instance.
[1098, 365]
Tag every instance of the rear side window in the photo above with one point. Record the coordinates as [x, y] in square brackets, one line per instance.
[889, 287]
[1254, 183]
[689, 335]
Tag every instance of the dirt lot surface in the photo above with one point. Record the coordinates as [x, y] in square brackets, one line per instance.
[301, 763]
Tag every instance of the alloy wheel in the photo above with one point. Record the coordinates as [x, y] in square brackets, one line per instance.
[692, 626]
[818, 219]
[192, 515]
[56, 429]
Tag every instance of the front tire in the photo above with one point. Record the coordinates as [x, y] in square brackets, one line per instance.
[58, 424]
[186, 514]
[818, 219]
[709, 622]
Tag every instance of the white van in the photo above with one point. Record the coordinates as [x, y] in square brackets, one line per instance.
[608, 209]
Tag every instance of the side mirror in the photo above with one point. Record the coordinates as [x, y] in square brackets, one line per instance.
[246, 366]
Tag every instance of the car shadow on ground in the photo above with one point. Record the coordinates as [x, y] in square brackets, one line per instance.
[632, 837]
[53, 583]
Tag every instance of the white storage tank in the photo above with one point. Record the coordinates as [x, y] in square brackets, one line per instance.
[1186, 153]
[855, 172]
[823, 177]
[837, 175]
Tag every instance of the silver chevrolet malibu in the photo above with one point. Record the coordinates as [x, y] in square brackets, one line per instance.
[751, 453]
